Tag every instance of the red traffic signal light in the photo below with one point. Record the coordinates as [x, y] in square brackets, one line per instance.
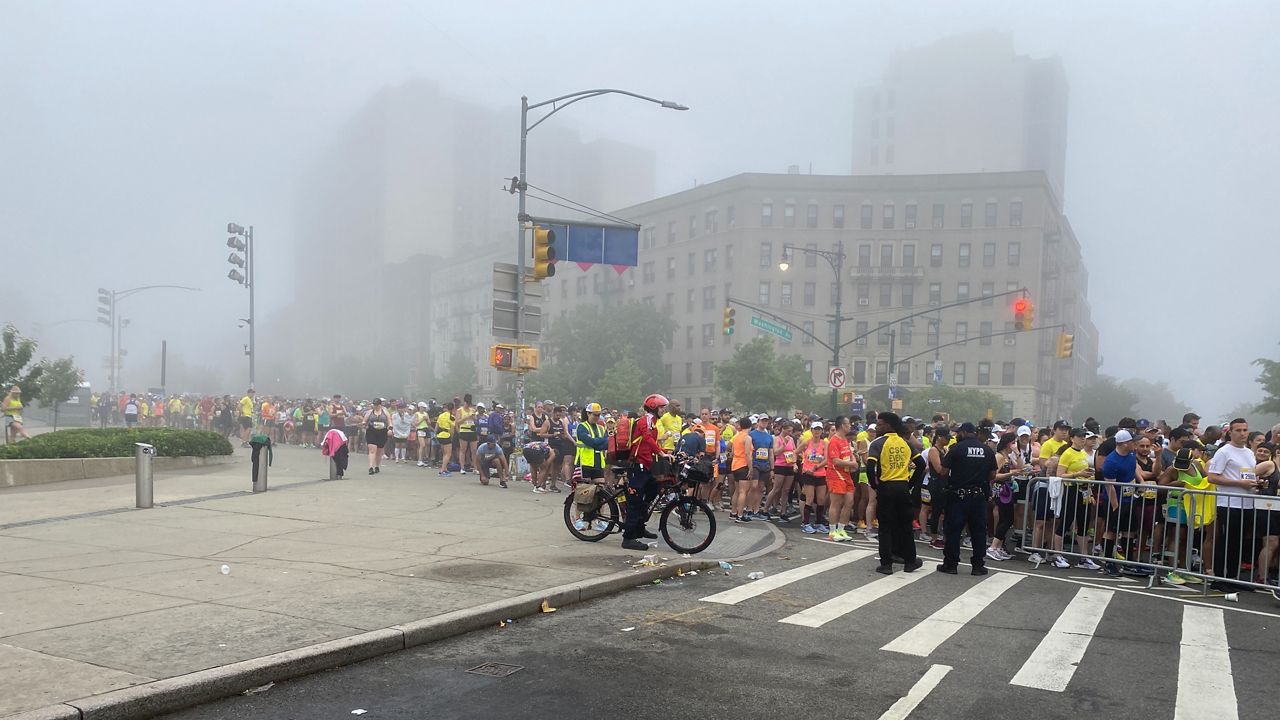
[503, 357]
[1020, 305]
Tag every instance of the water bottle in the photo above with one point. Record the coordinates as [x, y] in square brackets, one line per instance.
[755, 575]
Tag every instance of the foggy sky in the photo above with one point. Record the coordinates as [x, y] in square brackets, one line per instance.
[132, 132]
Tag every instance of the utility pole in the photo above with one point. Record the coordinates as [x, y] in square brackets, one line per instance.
[241, 244]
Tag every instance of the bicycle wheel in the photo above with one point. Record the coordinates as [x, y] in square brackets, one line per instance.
[688, 525]
[595, 524]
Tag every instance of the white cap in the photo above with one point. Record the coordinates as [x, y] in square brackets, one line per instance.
[1123, 436]
[1023, 431]
[815, 424]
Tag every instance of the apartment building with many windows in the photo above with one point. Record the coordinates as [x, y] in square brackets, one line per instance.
[912, 243]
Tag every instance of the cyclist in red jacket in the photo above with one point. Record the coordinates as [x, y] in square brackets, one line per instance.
[642, 488]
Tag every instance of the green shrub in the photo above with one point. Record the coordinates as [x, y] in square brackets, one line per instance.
[116, 442]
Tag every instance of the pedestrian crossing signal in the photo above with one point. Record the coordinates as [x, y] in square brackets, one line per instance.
[729, 320]
[544, 253]
[502, 357]
[1066, 345]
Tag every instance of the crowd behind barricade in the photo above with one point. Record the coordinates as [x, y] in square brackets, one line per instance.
[1136, 497]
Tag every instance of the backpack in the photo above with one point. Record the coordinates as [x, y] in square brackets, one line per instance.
[620, 442]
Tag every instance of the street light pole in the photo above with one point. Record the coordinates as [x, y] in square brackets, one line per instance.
[836, 260]
[109, 299]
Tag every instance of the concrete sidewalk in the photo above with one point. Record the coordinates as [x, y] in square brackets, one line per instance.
[96, 596]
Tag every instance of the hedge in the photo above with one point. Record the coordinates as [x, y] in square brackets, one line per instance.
[116, 442]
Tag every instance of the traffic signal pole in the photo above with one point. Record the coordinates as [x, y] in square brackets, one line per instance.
[521, 217]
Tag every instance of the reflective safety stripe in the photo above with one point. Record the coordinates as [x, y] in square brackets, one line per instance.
[590, 457]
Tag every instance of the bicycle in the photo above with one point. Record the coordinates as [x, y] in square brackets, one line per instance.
[692, 531]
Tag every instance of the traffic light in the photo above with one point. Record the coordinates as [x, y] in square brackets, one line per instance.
[846, 398]
[544, 253]
[526, 358]
[729, 321]
[1024, 314]
[503, 357]
[239, 254]
[106, 306]
[1066, 345]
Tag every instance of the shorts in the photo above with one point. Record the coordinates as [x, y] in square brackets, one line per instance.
[592, 473]
[1266, 523]
[442, 438]
[761, 474]
[1121, 519]
[810, 479]
[467, 435]
[245, 421]
[536, 455]
[783, 470]
[399, 441]
[1044, 504]
[863, 479]
[564, 448]
[839, 484]
[376, 438]
[740, 474]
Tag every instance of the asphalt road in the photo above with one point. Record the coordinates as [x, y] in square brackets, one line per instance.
[827, 639]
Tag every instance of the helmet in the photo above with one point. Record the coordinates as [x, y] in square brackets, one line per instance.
[655, 402]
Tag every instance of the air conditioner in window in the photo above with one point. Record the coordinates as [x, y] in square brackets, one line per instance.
[863, 302]
[861, 341]
[1010, 341]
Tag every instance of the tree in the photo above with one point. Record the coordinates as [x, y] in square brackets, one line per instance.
[1269, 379]
[962, 404]
[757, 379]
[16, 354]
[1106, 400]
[1155, 401]
[58, 381]
[621, 387]
[459, 378]
[1258, 420]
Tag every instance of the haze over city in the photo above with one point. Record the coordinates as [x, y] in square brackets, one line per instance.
[134, 131]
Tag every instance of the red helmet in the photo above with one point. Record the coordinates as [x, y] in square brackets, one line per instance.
[655, 402]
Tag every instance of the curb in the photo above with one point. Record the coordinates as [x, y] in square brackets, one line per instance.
[172, 694]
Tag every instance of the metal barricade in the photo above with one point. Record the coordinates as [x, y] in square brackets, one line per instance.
[1164, 533]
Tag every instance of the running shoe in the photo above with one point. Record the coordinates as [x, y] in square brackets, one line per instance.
[1035, 558]
[915, 525]
[1088, 564]
[807, 529]
[1005, 555]
[445, 473]
[822, 529]
[966, 543]
[839, 535]
[1174, 578]
[784, 518]
[743, 518]
[938, 544]
[994, 554]
[1111, 569]
[421, 464]
[1060, 562]
[871, 534]
[850, 527]
[370, 471]
[538, 490]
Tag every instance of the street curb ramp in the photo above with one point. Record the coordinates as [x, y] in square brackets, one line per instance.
[172, 694]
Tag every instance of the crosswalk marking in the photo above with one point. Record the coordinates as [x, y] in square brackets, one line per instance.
[825, 612]
[918, 692]
[1054, 661]
[1205, 686]
[925, 637]
[733, 596]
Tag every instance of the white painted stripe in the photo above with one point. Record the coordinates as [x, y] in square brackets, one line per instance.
[840, 605]
[1205, 686]
[925, 637]
[1054, 661]
[917, 693]
[748, 590]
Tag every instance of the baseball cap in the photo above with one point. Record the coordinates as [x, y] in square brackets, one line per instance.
[1143, 423]
[1123, 437]
[815, 424]
[1062, 425]
[1089, 434]
[593, 407]
[480, 405]
[1023, 430]
[968, 428]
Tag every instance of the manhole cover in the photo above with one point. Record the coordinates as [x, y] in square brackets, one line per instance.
[496, 670]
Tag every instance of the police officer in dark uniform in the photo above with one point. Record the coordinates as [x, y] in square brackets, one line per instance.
[970, 467]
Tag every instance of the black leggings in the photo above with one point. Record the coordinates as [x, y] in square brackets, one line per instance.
[1004, 520]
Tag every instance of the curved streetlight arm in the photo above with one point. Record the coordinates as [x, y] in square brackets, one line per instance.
[120, 295]
[585, 94]
[834, 258]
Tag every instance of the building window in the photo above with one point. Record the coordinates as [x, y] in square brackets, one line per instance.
[988, 289]
[1006, 374]
[763, 297]
[939, 214]
[905, 332]
[908, 255]
[693, 263]
[962, 331]
[709, 297]
[904, 373]
[966, 215]
[989, 220]
[811, 216]
[671, 232]
[811, 257]
[766, 215]
[860, 331]
[808, 369]
[882, 333]
[693, 226]
[766, 254]
[886, 294]
[712, 221]
[888, 154]
[647, 275]
[957, 374]
[984, 373]
[964, 254]
[789, 215]
[935, 255]
[810, 294]
[728, 257]
[1010, 339]
[785, 295]
[935, 293]
[708, 375]
[863, 291]
[708, 335]
[962, 291]
[887, 216]
[728, 292]
[671, 268]
[731, 216]
[882, 372]
[808, 332]
[709, 258]
[859, 372]
[1015, 213]
[1015, 253]
[688, 373]
[984, 332]
[649, 234]
[837, 216]
[908, 294]
[864, 255]
[691, 298]
[866, 217]
[886, 255]
[581, 286]
[1012, 285]
[909, 217]
[931, 333]
[988, 254]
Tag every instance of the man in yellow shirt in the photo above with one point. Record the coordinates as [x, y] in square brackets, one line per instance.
[1049, 448]
[669, 427]
[246, 417]
[1074, 464]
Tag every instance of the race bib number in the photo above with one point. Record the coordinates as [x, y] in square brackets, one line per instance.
[790, 457]
[378, 425]
[762, 453]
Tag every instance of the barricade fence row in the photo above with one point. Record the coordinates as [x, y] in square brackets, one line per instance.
[1160, 532]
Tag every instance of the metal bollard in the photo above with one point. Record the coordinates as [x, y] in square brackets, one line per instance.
[144, 487]
[333, 469]
[260, 472]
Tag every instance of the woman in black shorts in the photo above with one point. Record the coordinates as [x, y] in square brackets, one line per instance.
[376, 423]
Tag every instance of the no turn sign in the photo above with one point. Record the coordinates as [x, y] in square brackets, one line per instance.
[836, 378]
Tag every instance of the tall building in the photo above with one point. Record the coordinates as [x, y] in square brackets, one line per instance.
[968, 103]
[413, 181]
[911, 243]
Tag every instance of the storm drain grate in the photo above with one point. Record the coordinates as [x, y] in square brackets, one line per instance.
[495, 670]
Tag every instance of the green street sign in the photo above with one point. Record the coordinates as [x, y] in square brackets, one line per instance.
[765, 325]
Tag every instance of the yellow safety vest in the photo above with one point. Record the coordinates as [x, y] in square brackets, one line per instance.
[587, 456]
